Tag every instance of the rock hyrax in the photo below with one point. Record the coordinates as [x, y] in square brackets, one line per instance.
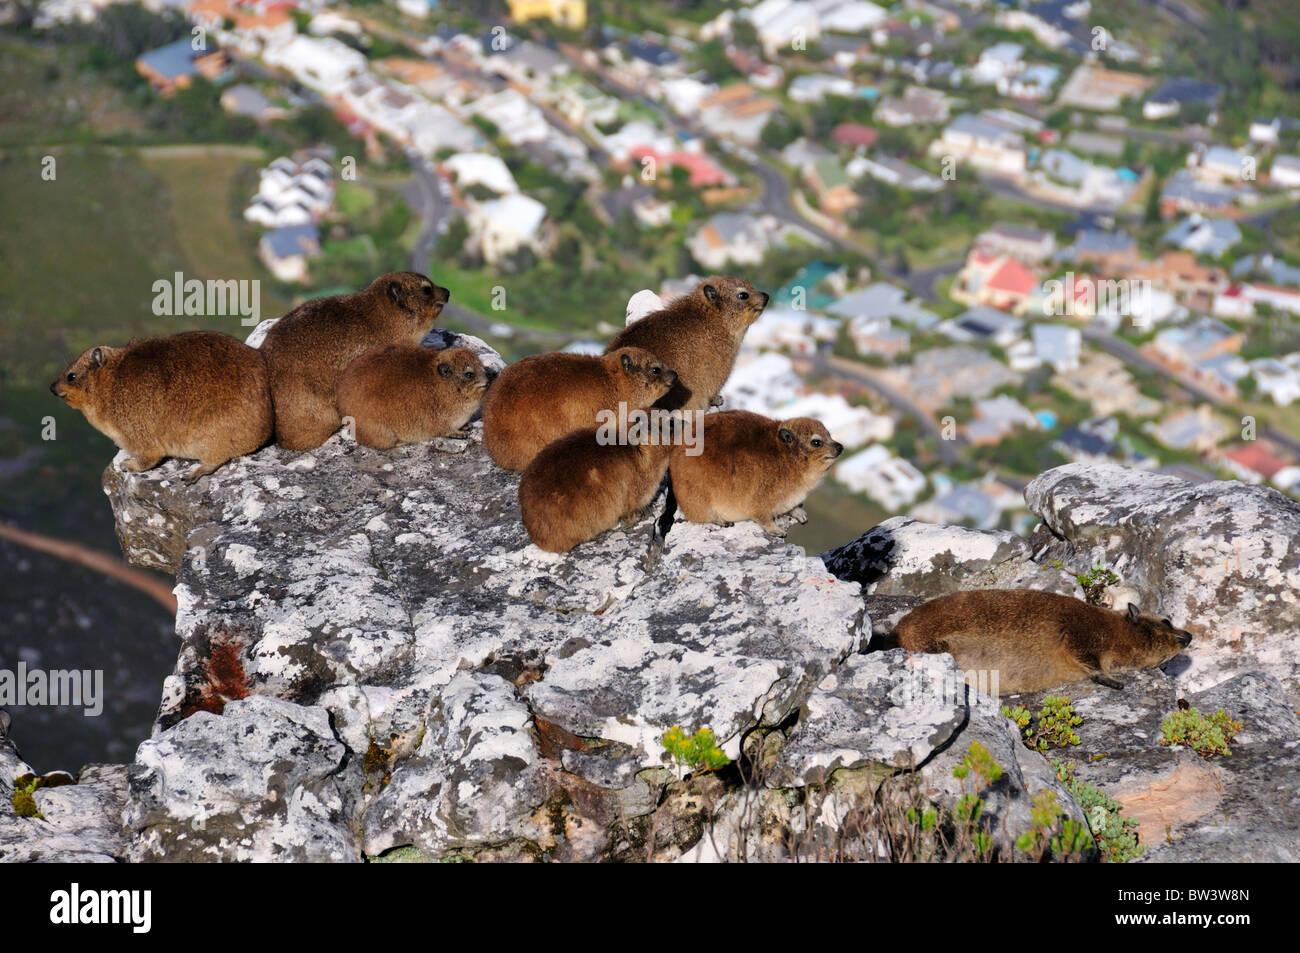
[698, 335]
[1036, 640]
[198, 395]
[308, 348]
[405, 393]
[751, 468]
[577, 488]
[539, 399]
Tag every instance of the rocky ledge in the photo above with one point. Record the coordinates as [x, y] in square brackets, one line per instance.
[375, 662]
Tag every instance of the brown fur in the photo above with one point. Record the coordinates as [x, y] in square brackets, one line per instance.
[198, 395]
[1037, 640]
[309, 347]
[698, 335]
[539, 399]
[576, 488]
[405, 393]
[752, 468]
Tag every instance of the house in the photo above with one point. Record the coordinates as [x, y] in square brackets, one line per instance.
[1255, 461]
[1108, 252]
[1100, 89]
[1223, 373]
[636, 200]
[983, 325]
[832, 186]
[1104, 382]
[982, 143]
[969, 504]
[882, 301]
[1265, 131]
[798, 330]
[1175, 93]
[1081, 446]
[1022, 242]
[1181, 274]
[1057, 345]
[814, 87]
[917, 106]
[1285, 172]
[849, 16]
[326, 65]
[852, 135]
[1276, 380]
[894, 172]
[879, 336]
[1212, 237]
[889, 480]
[998, 281]
[1095, 143]
[1221, 164]
[849, 425]
[738, 111]
[503, 226]
[571, 14]
[245, 100]
[780, 24]
[998, 62]
[1187, 346]
[286, 251]
[1189, 429]
[1184, 192]
[939, 374]
[734, 238]
[761, 382]
[1277, 298]
[1266, 267]
[1232, 303]
[479, 168]
[1052, 22]
[1033, 83]
[517, 119]
[996, 418]
[528, 65]
[175, 65]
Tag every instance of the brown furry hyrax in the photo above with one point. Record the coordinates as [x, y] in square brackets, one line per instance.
[405, 393]
[198, 395]
[308, 348]
[577, 488]
[539, 399]
[698, 335]
[751, 468]
[1037, 640]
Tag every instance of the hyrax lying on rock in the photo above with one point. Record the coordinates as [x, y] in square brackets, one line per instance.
[578, 487]
[198, 395]
[1035, 640]
[405, 393]
[309, 347]
[751, 468]
[698, 335]
[539, 399]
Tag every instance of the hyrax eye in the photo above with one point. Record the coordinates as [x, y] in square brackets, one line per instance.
[743, 296]
[817, 441]
[656, 371]
[71, 378]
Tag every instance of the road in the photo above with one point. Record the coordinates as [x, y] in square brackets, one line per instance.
[1135, 358]
[425, 196]
[951, 452]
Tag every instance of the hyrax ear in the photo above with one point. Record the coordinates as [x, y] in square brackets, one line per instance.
[711, 293]
[444, 369]
[97, 357]
[627, 362]
[786, 436]
[395, 292]
[1134, 613]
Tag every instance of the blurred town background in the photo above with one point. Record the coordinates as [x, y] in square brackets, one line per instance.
[999, 235]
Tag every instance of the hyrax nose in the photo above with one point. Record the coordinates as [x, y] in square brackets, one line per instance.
[670, 378]
[1184, 639]
[839, 448]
